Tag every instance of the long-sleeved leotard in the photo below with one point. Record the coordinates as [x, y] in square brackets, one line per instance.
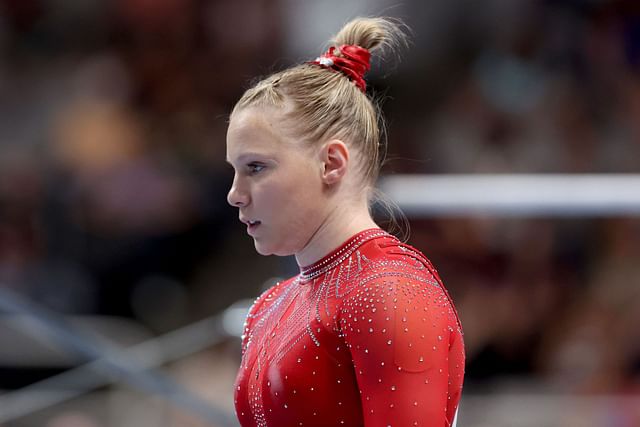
[367, 336]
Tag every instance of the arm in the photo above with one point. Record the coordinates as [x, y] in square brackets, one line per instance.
[399, 332]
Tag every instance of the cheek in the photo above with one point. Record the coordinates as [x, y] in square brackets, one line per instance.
[306, 209]
[294, 192]
[305, 192]
[295, 207]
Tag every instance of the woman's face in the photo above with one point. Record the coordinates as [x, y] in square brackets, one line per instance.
[277, 185]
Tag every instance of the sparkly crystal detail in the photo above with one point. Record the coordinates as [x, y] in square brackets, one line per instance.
[307, 339]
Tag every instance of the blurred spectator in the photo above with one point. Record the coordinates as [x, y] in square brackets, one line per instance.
[113, 180]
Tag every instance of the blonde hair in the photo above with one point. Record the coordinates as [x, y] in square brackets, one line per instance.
[324, 103]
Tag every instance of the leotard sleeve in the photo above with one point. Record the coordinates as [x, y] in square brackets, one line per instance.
[400, 332]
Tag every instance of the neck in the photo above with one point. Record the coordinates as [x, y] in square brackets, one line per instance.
[338, 227]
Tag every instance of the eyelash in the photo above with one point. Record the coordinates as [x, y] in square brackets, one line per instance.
[255, 168]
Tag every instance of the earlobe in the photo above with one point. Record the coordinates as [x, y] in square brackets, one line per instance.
[332, 177]
[336, 161]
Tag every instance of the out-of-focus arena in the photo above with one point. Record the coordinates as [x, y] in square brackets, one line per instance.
[514, 151]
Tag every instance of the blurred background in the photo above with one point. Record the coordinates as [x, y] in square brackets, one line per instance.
[116, 240]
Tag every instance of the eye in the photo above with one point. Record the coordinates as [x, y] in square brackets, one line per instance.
[255, 168]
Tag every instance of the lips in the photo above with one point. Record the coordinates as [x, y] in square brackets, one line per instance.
[249, 221]
[251, 224]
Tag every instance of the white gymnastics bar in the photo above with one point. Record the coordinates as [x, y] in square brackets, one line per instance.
[515, 195]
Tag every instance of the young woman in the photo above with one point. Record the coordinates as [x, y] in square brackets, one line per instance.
[365, 334]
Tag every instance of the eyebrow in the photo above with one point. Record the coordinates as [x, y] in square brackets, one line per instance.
[245, 155]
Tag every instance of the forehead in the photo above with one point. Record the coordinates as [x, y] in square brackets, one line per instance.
[254, 130]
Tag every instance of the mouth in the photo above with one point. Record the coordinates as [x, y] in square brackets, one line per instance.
[252, 226]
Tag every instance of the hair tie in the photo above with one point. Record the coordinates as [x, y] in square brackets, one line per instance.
[353, 62]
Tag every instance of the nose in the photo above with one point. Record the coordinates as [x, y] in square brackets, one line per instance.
[237, 196]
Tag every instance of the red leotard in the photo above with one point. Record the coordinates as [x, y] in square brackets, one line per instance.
[367, 336]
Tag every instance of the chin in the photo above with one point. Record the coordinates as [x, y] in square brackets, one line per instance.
[266, 249]
[262, 249]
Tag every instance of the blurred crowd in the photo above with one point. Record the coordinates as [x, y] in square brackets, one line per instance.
[113, 181]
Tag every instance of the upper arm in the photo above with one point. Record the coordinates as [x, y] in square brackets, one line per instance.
[398, 331]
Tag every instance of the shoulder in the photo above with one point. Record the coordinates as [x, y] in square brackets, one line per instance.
[261, 307]
[398, 279]
[399, 290]
[266, 299]
[389, 257]
[393, 271]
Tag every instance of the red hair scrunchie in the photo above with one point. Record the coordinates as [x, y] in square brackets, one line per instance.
[353, 62]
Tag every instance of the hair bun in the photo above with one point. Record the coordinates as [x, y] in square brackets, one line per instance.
[380, 33]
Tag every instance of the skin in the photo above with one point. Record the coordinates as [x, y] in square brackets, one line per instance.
[306, 196]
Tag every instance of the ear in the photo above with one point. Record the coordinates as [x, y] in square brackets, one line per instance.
[335, 159]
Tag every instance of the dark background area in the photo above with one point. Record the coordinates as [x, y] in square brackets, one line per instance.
[113, 181]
